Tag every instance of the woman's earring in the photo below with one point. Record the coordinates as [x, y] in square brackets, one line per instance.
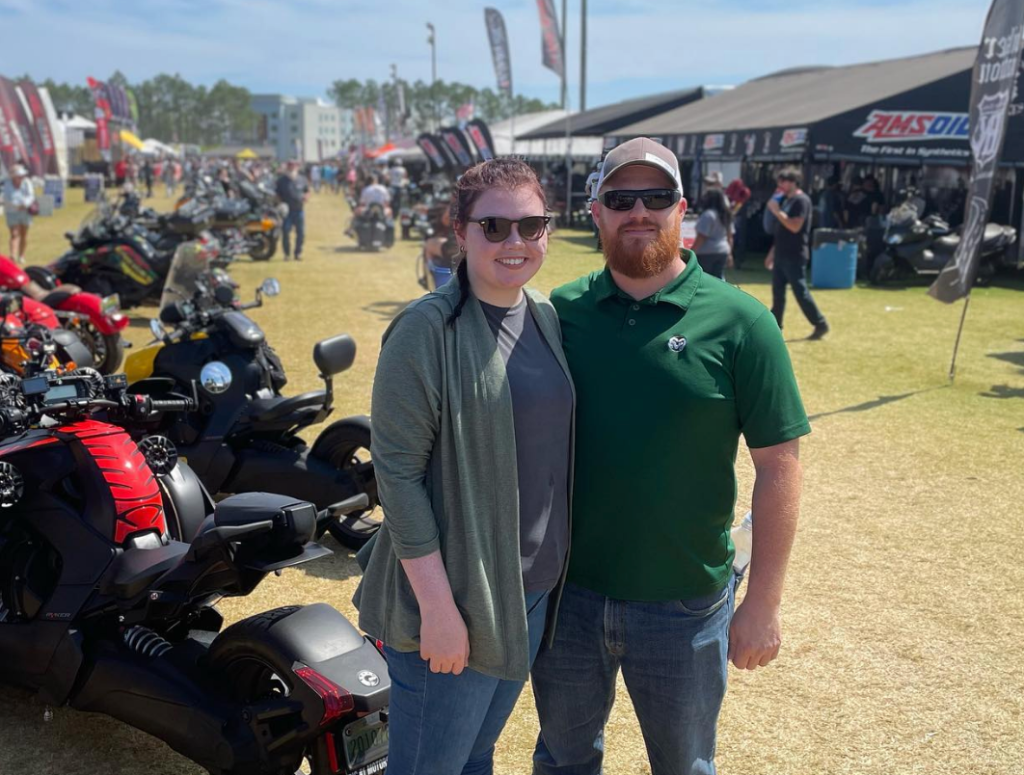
[462, 249]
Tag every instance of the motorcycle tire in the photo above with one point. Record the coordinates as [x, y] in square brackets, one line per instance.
[264, 247]
[346, 446]
[883, 268]
[43, 277]
[107, 349]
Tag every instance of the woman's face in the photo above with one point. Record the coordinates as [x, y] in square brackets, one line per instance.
[498, 268]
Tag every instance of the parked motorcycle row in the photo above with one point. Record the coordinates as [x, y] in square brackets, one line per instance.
[133, 502]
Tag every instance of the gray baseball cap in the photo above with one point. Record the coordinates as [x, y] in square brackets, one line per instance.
[644, 151]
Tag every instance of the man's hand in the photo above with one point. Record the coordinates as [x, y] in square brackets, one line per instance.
[755, 634]
[769, 260]
[444, 641]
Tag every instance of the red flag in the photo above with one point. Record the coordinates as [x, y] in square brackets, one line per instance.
[41, 124]
[551, 40]
[103, 115]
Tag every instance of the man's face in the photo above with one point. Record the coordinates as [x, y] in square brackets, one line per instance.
[787, 187]
[639, 243]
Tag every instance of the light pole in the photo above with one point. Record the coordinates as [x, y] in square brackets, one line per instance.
[432, 40]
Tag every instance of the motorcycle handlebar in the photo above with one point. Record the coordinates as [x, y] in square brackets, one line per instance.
[172, 405]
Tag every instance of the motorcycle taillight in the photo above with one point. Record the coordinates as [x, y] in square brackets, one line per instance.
[337, 701]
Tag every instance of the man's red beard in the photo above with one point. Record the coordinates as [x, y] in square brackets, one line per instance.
[636, 259]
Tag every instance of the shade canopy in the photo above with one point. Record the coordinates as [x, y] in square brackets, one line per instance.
[129, 138]
[246, 153]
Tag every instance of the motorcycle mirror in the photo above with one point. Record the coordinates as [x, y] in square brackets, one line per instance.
[270, 286]
[156, 329]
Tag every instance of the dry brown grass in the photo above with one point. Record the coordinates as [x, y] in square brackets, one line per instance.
[904, 611]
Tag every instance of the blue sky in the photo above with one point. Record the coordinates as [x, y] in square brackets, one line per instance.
[635, 47]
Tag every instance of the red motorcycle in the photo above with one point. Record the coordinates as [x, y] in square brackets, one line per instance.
[98, 322]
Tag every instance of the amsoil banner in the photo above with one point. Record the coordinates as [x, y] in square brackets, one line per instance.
[103, 116]
[499, 49]
[481, 137]
[455, 143]
[550, 39]
[41, 124]
[15, 141]
[993, 81]
[431, 146]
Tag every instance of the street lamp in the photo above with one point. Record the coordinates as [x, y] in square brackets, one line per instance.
[433, 72]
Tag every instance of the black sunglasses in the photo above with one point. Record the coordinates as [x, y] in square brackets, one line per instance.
[531, 228]
[653, 198]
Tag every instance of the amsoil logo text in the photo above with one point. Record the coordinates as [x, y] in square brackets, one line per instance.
[885, 126]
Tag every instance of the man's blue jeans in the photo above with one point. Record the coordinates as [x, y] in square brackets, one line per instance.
[673, 657]
[295, 219]
[444, 724]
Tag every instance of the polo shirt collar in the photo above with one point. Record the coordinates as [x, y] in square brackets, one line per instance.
[679, 292]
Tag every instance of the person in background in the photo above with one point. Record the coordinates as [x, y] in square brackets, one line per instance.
[147, 177]
[830, 205]
[170, 181]
[857, 207]
[738, 194]
[714, 243]
[120, 172]
[398, 179]
[315, 177]
[19, 204]
[789, 256]
[472, 448]
[292, 190]
[590, 189]
[874, 198]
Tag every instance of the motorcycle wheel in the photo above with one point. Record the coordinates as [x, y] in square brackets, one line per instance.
[263, 247]
[347, 447]
[884, 268]
[107, 349]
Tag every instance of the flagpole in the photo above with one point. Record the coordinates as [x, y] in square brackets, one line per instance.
[956, 347]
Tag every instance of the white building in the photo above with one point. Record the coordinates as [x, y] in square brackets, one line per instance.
[305, 128]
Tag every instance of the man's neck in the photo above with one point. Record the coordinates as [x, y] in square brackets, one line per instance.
[641, 288]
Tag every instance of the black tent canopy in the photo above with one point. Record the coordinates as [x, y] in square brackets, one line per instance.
[912, 110]
[608, 118]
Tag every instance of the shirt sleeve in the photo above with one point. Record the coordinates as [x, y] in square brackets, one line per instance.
[768, 400]
[406, 412]
[706, 223]
[800, 207]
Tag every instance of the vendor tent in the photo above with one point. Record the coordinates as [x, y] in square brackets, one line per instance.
[900, 111]
[246, 153]
[129, 138]
[540, 149]
[606, 119]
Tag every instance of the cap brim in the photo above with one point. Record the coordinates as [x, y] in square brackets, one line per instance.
[677, 185]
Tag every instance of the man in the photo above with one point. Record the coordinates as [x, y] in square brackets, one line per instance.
[399, 180]
[670, 369]
[374, 193]
[791, 252]
[291, 190]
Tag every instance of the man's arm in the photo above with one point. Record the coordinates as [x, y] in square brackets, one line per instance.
[756, 632]
[794, 224]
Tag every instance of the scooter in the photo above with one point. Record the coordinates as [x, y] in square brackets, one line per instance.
[112, 560]
[248, 432]
[923, 247]
[98, 322]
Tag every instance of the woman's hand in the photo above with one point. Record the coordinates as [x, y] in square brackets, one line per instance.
[444, 640]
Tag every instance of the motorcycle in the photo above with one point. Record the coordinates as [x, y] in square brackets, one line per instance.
[27, 348]
[923, 247]
[374, 229]
[248, 431]
[253, 219]
[112, 560]
[98, 322]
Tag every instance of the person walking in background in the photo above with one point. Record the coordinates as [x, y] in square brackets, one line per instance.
[714, 242]
[169, 178]
[789, 256]
[472, 447]
[315, 177]
[19, 205]
[738, 194]
[292, 190]
[830, 205]
[147, 177]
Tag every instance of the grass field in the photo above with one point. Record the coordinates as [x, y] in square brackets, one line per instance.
[904, 611]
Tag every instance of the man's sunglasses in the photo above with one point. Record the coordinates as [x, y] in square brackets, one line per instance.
[653, 198]
[531, 228]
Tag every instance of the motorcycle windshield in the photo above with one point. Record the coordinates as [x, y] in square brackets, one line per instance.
[190, 261]
[93, 223]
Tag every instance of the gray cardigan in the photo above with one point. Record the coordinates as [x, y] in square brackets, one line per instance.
[445, 458]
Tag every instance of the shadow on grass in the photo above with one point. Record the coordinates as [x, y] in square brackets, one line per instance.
[875, 404]
[1017, 358]
[386, 310]
[339, 566]
[1003, 391]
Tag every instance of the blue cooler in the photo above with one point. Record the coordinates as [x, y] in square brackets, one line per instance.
[834, 258]
[442, 274]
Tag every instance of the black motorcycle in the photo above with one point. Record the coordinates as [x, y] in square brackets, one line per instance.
[374, 229]
[112, 559]
[915, 246]
[247, 432]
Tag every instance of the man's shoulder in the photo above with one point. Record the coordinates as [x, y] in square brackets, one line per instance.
[576, 291]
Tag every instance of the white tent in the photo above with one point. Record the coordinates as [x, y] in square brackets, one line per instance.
[550, 149]
[156, 148]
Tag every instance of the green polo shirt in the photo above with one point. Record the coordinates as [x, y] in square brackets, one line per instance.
[665, 387]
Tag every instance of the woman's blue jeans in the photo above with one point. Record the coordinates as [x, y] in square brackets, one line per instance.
[442, 724]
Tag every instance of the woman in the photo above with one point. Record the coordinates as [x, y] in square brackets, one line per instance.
[19, 204]
[472, 407]
[713, 245]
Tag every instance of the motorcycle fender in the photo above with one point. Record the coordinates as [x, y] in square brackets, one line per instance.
[186, 501]
[64, 669]
[37, 312]
[320, 637]
[91, 306]
[140, 364]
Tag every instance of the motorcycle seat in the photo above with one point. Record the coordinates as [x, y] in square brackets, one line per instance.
[56, 298]
[133, 571]
[947, 243]
[271, 410]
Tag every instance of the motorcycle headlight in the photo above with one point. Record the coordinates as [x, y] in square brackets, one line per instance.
[894, 239]
[215, 377]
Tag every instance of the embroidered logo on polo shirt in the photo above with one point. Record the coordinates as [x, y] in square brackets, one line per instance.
[677, 343]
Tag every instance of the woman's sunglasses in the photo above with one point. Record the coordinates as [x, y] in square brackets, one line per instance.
[653, 198]
[531, 228]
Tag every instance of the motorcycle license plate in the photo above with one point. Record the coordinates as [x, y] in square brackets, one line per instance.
[366, 741]
[110, 304]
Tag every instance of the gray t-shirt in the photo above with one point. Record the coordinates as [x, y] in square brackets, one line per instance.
[542, 412]
[716, 239]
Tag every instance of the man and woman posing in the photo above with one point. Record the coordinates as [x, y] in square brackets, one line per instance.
[508, 427]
